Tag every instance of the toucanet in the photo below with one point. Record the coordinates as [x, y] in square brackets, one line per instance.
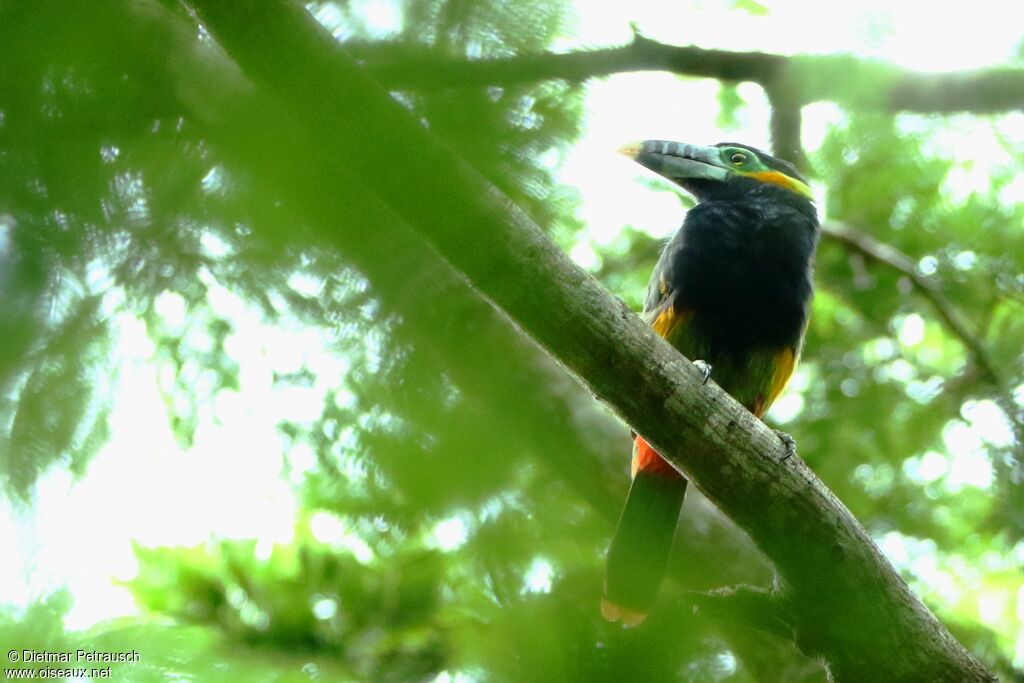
[731, 290]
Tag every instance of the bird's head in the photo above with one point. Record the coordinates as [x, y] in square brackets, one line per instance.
[723, 171]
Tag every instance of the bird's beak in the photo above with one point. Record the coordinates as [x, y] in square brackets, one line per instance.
[631, 150]
[678, 161]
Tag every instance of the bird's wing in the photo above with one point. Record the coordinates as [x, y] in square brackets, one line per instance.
[660, 310]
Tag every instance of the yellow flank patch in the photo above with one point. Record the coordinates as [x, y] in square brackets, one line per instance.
[669, 320]
[785, 364]
[782, 180]
[665, 321]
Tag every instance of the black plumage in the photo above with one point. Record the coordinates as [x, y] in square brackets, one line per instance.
[741, 263]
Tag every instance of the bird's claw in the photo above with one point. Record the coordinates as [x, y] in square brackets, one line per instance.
[789, 442]
[705, 370]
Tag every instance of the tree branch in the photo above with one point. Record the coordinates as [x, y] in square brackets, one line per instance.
[415, 68]
[849, 606]
[858, 84]
[875, 250]
[411, 283]
[448, 317]
[880, 252]
[748, 605]
[786, 122]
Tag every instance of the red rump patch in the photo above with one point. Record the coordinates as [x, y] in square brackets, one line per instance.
[647, 460]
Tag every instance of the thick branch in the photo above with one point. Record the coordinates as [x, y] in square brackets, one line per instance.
[859, 84]
[848, 604]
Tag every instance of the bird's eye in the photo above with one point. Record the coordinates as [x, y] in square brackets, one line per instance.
[738, 158]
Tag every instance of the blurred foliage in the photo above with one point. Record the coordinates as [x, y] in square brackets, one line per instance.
[381, 619]
[165, 652]
[449, 526]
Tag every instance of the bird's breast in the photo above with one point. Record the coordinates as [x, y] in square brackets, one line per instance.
[741, 298]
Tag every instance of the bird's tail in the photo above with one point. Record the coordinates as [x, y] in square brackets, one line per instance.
[640, 548]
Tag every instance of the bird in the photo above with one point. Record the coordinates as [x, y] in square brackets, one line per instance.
[731, 290]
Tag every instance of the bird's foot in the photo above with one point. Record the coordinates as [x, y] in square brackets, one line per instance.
[705, 370]
[789, 442]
